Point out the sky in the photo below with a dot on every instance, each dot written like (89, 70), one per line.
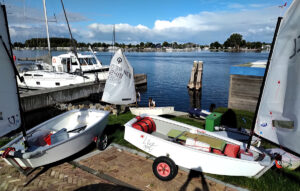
(181, 21)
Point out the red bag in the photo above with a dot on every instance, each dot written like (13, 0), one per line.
(217, 151)
(232, 150)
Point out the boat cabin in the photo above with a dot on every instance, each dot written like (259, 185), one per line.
(69, 63)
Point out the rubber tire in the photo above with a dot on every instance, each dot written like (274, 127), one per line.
(102, 142)
(173, 168)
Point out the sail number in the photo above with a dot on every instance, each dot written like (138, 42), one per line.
(295, 50)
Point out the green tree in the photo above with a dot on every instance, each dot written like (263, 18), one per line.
(165, 44)
(215, 45)
(235, 40)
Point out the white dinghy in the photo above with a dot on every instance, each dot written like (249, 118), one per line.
(152, 110)
(50, 141)
(176, 143)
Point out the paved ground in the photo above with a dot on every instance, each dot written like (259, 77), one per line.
(113, 169)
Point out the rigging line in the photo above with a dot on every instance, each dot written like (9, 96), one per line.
(72, 39)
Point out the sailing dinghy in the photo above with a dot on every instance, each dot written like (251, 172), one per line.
(51, 141)
(277, 120)
(119, 87)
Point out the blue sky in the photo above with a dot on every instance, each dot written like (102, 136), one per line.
(198, 21)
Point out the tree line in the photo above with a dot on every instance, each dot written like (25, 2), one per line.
(236, 42)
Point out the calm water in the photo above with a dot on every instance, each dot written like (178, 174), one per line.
(168, 75)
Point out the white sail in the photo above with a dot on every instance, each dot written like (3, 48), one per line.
(9, 102)
(119, 88)
(278, 118)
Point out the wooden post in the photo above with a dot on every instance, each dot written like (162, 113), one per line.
(199, 75)
(191, 84)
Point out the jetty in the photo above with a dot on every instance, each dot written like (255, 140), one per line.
(37, 99)
(245, 84)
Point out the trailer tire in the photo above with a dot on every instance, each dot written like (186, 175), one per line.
(164, 168)
(102, 142)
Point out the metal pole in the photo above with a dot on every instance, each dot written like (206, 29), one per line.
(263, 84)
(46, 20)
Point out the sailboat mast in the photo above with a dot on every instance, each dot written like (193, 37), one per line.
(114, 37)
(46, 20)
(264, 81)
(72, 40)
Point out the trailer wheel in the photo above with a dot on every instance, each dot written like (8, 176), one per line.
(164, 168)
(102, 142)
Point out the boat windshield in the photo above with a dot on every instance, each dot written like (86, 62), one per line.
(93, 61)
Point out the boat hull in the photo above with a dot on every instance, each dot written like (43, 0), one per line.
(151, 111)
(64, 149)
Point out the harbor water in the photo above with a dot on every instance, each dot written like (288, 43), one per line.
(168, 75)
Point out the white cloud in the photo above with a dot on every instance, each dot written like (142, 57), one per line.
(204, 27)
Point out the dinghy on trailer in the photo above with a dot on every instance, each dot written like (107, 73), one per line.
(51, 141)
(175, 143)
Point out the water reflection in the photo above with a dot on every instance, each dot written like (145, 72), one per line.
(195, 98)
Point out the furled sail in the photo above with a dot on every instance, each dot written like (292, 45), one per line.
(119, 88)
(9, 102)
(278, 118)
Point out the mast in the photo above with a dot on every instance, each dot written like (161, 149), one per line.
(48, 38)
(114, 37)
(264, 81)
(72, 39)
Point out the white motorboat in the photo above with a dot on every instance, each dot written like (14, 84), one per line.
(89, 64)
(180, 144)
(152, 110)
(43, 76)
(43, 79)
(50, 141)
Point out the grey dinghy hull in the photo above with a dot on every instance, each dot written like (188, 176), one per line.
(95, 123)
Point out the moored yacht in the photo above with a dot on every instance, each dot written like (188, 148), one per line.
(90, 66)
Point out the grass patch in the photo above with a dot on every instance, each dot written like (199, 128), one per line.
(4, 141)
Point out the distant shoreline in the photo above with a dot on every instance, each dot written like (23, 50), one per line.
(102, 49)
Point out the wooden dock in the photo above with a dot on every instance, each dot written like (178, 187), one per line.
(244, 90)
(32, 100)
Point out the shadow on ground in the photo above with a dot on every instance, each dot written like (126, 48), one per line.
(102, 186)
(195, 174)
